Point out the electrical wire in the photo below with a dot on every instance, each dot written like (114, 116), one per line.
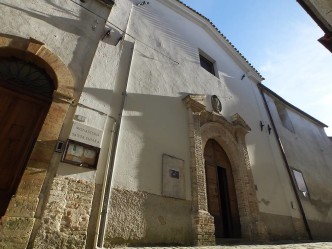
(123, 31)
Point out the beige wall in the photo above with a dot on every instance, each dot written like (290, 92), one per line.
(308, 150)
(163, 71)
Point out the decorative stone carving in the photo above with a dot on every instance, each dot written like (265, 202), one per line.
(195, 102)
(216, 104)
(206, 125)
(238, 120)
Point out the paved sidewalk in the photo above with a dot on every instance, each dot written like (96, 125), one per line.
(314, 245)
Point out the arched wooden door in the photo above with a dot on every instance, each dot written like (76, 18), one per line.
(222, 201)
(25, 97)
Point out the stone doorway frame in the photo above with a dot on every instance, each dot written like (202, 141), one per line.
(17, 223)
(205, 125)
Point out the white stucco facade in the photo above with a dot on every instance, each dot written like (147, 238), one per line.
(132, 65)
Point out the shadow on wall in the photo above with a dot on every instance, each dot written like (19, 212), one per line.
(78, 24)
(151, 125)
(103, 96)
(159, 123)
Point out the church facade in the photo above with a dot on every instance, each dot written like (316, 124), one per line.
(139, 123)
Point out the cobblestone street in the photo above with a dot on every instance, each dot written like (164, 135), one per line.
(315, 245)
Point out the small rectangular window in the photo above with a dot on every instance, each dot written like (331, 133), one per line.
(300, 182)
(206, 64)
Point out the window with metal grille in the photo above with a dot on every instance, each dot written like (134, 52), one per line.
(26, 76)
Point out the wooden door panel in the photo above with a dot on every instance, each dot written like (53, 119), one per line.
(15, 135)
(222, 200)
(5, 100)
(21, 117)
(212, 191)
(9, 155)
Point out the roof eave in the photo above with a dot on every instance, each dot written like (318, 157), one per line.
(204, 22)
(272, 93)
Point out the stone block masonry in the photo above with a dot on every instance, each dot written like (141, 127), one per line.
(65, 219)
(141, 218)
(17, 224)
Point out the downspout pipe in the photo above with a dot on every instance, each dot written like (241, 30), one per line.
(288, 169)
(109, 174)
(122, 82)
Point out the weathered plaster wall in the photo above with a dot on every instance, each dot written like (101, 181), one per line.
(156, 64)
(101, 96)
(282, 227)
(74, 34)
(166, 68)
(309, 150)
(99, 103)
(139, 218)
(64, 27)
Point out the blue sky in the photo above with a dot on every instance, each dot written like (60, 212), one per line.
(280, 40)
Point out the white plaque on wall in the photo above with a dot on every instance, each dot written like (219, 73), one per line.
(173, 177)
(86, 134)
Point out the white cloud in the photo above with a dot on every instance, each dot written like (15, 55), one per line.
(299, 69)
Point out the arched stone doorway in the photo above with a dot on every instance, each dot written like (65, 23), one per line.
(19, 218)
(25, 97)
(205, 126)
(221, 194)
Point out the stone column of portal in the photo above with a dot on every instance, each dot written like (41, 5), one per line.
(203, 222)
(253, 228)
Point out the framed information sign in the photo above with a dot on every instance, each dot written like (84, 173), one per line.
(173, 177)
(80, 154)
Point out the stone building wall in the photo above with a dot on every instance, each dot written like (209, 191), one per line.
(140, 218)
(65, 219)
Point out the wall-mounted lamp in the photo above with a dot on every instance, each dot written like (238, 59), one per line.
(243, 76)
(262, 125)
(269, 128)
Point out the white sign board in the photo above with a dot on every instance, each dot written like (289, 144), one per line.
(86, 134)
(173, 177)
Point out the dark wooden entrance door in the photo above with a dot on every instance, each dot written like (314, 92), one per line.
(21, 118)
(222, 201)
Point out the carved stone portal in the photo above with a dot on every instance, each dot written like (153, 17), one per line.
(205, 125)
